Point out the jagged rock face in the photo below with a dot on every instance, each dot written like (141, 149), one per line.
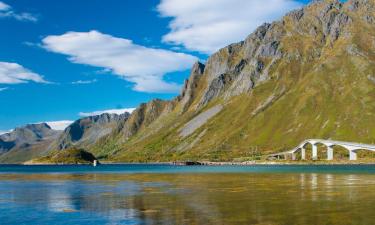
(23, 139)
(190, 87)
(144, 115)
(86, 131)
(240, 67)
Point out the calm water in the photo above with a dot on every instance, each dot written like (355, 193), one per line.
(162, 194)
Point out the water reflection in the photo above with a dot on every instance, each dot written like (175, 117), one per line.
(306, 198)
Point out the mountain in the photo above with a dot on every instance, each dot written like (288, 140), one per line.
(309, 75)
(86, 131)
(26, 142)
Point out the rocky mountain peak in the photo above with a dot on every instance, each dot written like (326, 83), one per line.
(29, 132)
(26, 136)
(241, 66)
(189, 90)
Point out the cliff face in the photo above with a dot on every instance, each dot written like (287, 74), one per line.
(189, 90)
(27, 142)
(309, 75)
(302, 36)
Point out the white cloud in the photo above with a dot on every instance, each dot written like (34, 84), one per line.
(6, 11)
(110, 111)
(4, 131)
(137, 64)
(59, 125)
(85, 81)
(13, 73)
(4, 7)
(208, 25)
(3, 89)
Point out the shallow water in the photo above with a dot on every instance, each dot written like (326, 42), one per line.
(163, 194)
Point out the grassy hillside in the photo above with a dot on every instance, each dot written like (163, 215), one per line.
(318, 83)
(67, 156)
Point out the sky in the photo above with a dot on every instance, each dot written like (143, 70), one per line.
(62, 60)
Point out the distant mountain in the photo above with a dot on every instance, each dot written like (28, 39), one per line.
(26, 142)
(88, 130)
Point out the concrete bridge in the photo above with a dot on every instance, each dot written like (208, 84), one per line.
(350, 146)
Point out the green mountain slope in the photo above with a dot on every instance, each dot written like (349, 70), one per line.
(309, 75)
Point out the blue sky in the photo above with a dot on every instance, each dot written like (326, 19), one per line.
(60, 60)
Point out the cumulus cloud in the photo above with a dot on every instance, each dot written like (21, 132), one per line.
(110, 111)
(85, 81)
(208, 25)
(145, 67)
(59, 125)
(6, 11)
(13, 73)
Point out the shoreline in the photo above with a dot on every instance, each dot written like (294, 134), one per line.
(208, 163)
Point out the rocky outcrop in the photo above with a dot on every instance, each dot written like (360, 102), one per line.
(239, 67)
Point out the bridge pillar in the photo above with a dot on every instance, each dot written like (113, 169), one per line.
(329, 153)
(352, 155)
(314, 152)
(303, 154)
(294, 156)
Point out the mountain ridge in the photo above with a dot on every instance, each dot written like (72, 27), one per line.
(308, 75)
(24, 143)
(258, 78)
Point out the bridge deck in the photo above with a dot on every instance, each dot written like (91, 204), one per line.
(352, 147)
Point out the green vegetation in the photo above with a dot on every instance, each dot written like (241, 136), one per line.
(68, 156)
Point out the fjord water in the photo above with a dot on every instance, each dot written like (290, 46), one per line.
(165, 194)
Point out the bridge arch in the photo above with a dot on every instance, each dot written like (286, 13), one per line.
(352, 148)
